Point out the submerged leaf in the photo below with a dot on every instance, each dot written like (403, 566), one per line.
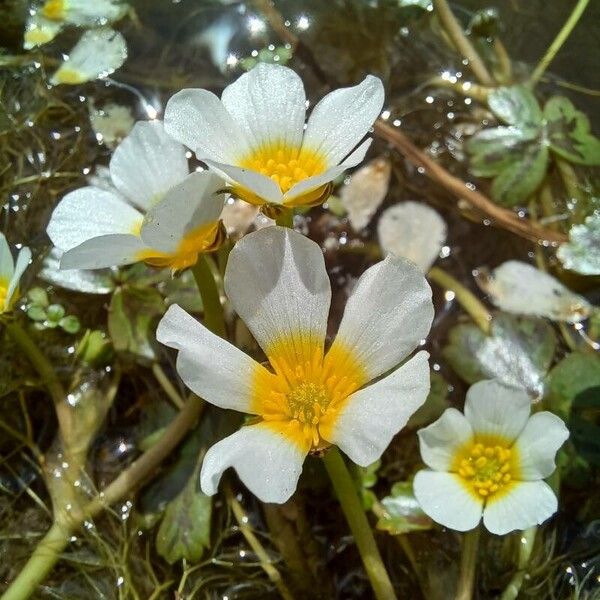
(569, 132)
(520, 288)
(582, 252)
(403, 513)
(518, 351)
(515, 105)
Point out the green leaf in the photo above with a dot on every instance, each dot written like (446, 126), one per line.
(435, 404)
(36, 312)
(520, 179)
(132, 317)
(184, 532)
(569, 132)
(582, 252)
(55, 312)
(402, 511)
(366, 478)
(38, 296)
(70, 324)
(518, 351)
(572, 376)
(516, 105)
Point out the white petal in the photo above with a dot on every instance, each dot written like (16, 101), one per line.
(39, 30)
(494, 408)
(538, 444)
(265, 459)
(445, 499)
(269, 105)
(97, 54)
(190, 204)
(277, 282)
(104, 251)
(529, 503)
(210, 366)
(22, 263)
(440, 440)
(414, 231)
(364, 193)
(198, 119)
(147, 163)
(84, 13)
(372, 416)
(87, 213)
(7, 266)
(307, 185)
(264, 187)
(386, 316)
(342, 118)
(520, 288)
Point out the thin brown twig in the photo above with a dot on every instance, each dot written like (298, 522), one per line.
(501, 217)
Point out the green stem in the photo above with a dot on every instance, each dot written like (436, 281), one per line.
(527, 540)
(211, 300)
(468, 564)
(461, 42)
(286, 218)
(359, 525)
(47, 552)
(560, 39)
(466, 298)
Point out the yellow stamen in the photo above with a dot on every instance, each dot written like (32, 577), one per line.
(487, 466)
(69, 76)
(54, 10)
(306, 387)
(4, 283)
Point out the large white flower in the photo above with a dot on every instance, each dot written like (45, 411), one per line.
(491, 461)
(10, 273)
(157, 212)
(309, 398)
(255, 135)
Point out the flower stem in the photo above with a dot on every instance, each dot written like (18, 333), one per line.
(211, 300)
(468, 564)
(511, 591)
(466, 298)
(355, 515)
(47, 552)
(559, 40)
(461, 42)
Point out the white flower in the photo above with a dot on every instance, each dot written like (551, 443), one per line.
(10, 274)
(45, 23)
(97, 54)
(309, 398)
(157, 213)
(412, 230)
(490, 461)
(255, 135)
(520, 288)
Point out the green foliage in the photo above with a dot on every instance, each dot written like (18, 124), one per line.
(280, 55)
(518, 351)
(95, 348)
(517, 156)
(49, 316)
(366, 479)
(403, 513)
(582, 252)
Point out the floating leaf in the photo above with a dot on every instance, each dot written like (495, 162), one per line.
(403, 513)
(568, 131)
(518, 351)
(520, 288)
(582, 252)
(515, 105)
(132, 318)
(184, 532)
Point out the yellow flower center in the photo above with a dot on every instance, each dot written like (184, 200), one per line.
(306, 388)
(205, 238)
(3, 293)
(487, 466)
(69, 76)
(285, 165)
(54, 10)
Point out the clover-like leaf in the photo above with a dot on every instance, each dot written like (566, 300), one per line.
(403, 513)
(582, 252)
(569, 134)
(518, 351)
(516, 105)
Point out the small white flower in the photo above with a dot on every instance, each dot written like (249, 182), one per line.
(111, 123)
(10, 274)
(255, 134)
(412, 230)
(520, 288)
(96, 55)
(309, 398)
(45, 23)
(491, 461)
(157, 212)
